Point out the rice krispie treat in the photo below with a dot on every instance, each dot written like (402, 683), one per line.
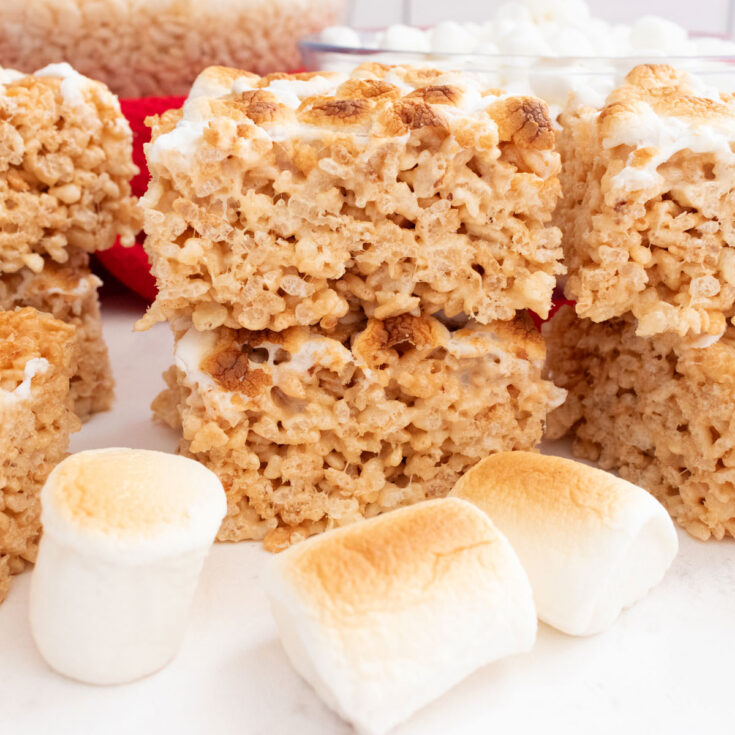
(287, 200)
(657, 410)
(141, 48)
(647, 211)
(36, 364)
(65, 168)
(308, 430)
(69, 293)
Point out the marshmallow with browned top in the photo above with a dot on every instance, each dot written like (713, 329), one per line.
(383, 616)
(126, 532)
(591, 543)
(647, 205)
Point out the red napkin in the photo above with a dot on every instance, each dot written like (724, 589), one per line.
(130, 265)
(557, 301)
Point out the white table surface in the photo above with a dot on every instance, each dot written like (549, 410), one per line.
(665, 667)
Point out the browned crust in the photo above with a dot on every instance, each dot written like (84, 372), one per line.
(525, 121)
(440, 94)
(667, 91)
(328, 111)
(230, 367)
(368, 89)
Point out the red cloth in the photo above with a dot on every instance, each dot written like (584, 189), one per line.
(130, 265)
(557, 302)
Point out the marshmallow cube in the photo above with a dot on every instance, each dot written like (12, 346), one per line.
(125, 535)
(383, 616)
(591, 543)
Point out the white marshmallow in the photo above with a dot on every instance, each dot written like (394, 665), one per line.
(383, 616)
(592, 544)
(548, 28)
(73, 83)
(513, 11)
(561, 11)
(341, 36)
(22, 392)
(487, 48)
(451, 38)
(651, 32)
(404, 38)
(572, 42)
(125, 536)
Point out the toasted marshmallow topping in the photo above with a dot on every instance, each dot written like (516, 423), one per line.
(132, 502)
(660, 111)
(503, 341)
(382, 616)
(591, 543)
(304, 108)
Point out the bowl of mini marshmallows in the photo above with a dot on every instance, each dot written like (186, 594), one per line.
(554, 49)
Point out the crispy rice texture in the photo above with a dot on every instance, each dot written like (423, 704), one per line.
(69, 293)
(35, 430)
(395, 189)
(663, 249)
(654, 409)
(140, 49)
(309, 430)
(65, 173)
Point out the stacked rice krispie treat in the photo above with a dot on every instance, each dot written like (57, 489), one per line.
(345, 261)
(647, 220)
(65, 170)
(37, 362)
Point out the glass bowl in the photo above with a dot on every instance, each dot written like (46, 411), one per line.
(553, 78)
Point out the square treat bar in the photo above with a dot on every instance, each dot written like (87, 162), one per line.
(647, 211)
(69, 293)
(37, 360)
(658, 410)
(287, 200)
(65, 168)
(309, 431)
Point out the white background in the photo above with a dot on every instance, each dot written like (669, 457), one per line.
(709, 16)
(664, 667)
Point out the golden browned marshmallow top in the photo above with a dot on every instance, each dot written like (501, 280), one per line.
(374, 101)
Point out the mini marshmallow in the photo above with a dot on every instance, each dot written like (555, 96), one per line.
(572, 42)
(451, 38)
(549, 29)
(404, 38)
(560, 11)
(591, 543)
(383, 616)
(341, 36)
(514, 11)
(125, 535)
(652, 32)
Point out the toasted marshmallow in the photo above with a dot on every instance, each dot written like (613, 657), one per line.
(126, 532)
(383, 616)
(592, 544)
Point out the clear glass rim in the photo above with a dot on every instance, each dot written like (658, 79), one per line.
(312, 44)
